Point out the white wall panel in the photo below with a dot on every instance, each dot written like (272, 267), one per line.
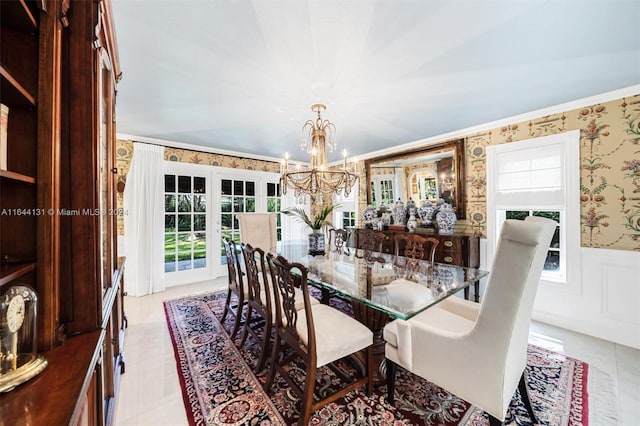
(605, 304)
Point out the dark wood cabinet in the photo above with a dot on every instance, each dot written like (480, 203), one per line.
(456, 249)
(58, 74)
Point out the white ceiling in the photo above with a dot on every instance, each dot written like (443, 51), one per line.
(241, 75)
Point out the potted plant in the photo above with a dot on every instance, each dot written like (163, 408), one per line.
(317, 225)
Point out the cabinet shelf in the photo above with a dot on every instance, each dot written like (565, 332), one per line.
(6, 174)
(13, 93)
(18, 16)
(13, 271)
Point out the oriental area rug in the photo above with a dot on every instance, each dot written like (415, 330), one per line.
(219, 386)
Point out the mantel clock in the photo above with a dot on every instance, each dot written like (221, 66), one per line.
(19, 360)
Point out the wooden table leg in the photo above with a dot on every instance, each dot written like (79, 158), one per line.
(375, 320)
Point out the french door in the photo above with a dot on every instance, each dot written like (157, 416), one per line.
(187, 213)
(201, 206)
(241, 191)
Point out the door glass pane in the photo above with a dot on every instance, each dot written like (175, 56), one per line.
(251, 189)
(184, 184)
(225, 204)
(169, 183)
(226, 222)
(238, 204)
(185, 241)
(238, 187)
(226, 186)
(199, 203)
(170, 252)
(198, 185)
(170, 203)
(169, 223)
(271, 190)
(184, 203)
(199, 222)
(251, 205)
(184, 222)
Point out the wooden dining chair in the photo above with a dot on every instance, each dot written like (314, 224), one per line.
(317, 334)
(369, 242)
(260, 310)
(339, 240)
(410, 249)
(236, 287)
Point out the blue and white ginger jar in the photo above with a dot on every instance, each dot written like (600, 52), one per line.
(446, 219)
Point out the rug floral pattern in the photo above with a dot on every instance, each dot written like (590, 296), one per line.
(220, 388)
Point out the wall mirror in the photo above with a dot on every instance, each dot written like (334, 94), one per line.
(429, 173)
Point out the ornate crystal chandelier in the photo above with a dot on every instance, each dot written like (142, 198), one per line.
(318, 180)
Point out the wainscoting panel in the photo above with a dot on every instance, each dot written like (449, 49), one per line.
(605, 304)
(620, 294)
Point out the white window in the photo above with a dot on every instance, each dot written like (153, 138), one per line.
(346, 212)
(538, 177)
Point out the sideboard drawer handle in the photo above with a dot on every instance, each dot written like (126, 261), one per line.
(448, 243)
(448, 259)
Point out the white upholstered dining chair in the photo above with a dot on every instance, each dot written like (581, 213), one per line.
(258, 229)
(437, 343)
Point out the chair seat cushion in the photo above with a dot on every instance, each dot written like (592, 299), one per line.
(337, 334)
(446, 322)
(404, 295)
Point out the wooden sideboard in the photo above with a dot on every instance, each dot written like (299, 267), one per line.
(461, 249)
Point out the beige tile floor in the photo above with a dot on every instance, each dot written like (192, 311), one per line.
(150, 392)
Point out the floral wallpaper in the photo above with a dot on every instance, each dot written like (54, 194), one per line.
(124, 152)
(609, 169)
(609, 163)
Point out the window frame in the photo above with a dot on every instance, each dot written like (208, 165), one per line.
(566, 201)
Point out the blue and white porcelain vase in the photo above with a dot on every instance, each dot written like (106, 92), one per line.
(399, 213)
(386, 220)
(316, 242)
(368, 216)
(425, 212)
(446, 219)
(412, 223)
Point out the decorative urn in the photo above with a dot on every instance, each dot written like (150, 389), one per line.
(399, 213)
(412, 223)
(368, 216)
(426, 212)
(446, 219)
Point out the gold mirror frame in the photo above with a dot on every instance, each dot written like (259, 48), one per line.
(457, 148)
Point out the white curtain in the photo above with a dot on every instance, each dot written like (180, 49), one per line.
(143, 227)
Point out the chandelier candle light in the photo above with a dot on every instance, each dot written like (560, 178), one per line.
(318, 180)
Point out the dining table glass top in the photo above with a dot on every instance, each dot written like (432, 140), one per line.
(379, 280)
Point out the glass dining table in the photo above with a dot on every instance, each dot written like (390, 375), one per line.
(379, 286)
(380, 281)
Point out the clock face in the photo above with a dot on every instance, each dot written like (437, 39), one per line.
(15, 313)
